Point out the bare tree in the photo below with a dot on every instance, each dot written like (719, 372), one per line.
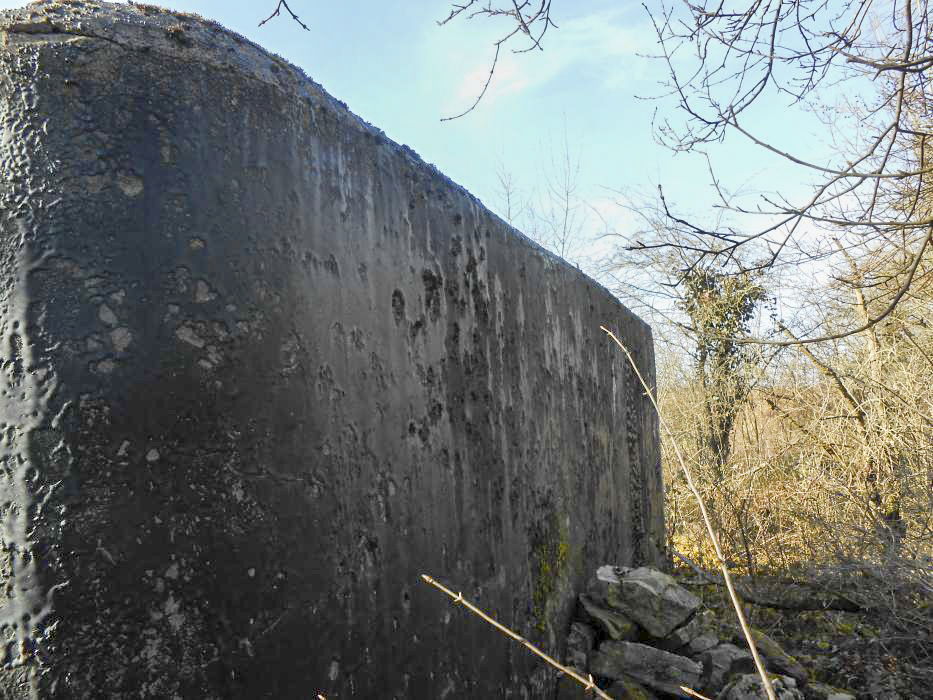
(513, 207)
(807, 52)
(701, 310)
(554, 215)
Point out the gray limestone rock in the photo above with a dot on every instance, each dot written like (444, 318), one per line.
(623, 689)
(580, 644)
(721, 663)
(571, 689)
(654, 600)
(629, 689)
(610, 572)
(694, 637)
(604, 587)
(680, 637)
(777, 660)
(705, 641)
(615, 625)
(655, 668)
(822, 691)
(748, 687)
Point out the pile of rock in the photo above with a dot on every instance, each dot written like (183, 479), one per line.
(643, 636)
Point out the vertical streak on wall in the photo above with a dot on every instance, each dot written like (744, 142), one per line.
(29, 416)
(262, 367)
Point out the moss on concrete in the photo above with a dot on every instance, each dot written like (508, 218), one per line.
(551, 555)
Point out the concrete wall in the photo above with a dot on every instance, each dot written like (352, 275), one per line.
(261, 368)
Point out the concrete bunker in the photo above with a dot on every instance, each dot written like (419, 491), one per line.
(261, 368)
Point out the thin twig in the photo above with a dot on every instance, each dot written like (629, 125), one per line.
(693, 693)
(492, 70)
(278, 8)
(736, 603)
(587, 682)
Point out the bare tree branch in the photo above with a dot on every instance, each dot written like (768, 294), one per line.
(878, 192)
(278, 9)
(532, 19)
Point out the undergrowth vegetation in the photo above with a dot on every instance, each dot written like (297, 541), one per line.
(824, 499)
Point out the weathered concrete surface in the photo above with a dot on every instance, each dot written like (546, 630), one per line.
(261, 368)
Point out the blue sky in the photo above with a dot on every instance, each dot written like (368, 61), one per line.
(395, 67)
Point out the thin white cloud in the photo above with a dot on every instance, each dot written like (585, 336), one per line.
(602, 46)
(510, 78)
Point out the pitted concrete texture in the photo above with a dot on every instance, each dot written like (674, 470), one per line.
(261, 368)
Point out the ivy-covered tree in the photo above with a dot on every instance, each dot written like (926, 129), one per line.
(720, 308)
